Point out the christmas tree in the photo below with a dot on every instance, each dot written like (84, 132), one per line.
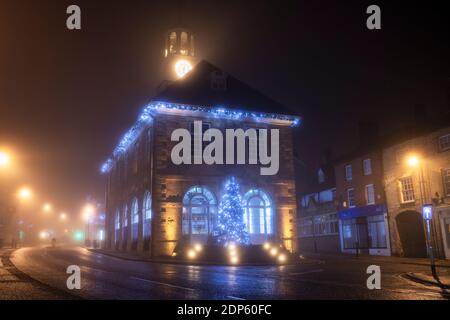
(231, 227)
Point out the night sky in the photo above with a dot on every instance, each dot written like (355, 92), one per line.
(66, 97)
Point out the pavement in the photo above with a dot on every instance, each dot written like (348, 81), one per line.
(107, 277)
(16, 285)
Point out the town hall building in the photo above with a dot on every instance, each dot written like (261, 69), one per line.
(154, 204)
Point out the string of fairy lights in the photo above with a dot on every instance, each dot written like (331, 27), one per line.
(148, 112)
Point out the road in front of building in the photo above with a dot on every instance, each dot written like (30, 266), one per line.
(106, 277)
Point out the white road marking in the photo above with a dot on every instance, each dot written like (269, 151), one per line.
(234, 298)
(306, 272)
(162, 283)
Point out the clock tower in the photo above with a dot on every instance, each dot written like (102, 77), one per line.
(179, 52)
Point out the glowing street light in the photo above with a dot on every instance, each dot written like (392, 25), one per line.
(63, 216)
(24, 193)
(4, 159)
(47, 207)
(412, 161)
(182, 67)
(191, 254)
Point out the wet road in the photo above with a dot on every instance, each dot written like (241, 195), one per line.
(106, 277)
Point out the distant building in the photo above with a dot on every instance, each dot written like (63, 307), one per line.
(417, 172)
(318, 224)
(152, 204)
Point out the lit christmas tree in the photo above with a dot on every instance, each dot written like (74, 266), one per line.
(231, 227)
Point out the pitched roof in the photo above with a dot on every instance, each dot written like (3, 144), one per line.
(195, 89)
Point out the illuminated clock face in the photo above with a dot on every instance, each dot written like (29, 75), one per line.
(182, 67)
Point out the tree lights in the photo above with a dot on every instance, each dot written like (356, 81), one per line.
(231, 229)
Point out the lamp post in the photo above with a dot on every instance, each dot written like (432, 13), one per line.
(427, 212)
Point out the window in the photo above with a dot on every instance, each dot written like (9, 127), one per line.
(124, 216)
(305, 227)
(192, 45)
(134, 219)
(258, 214)
(199, 212)
(117, 226)
(351, 197)
(326, 224)
(407, 189)
(173, 42)
(355, 233)
(184, 45)
(348, 172)
(147, 226)
(321, 176)
(218, 81)
(377, 231)
(370, 194)
(444, 143)
(367, 167)
(446, 180)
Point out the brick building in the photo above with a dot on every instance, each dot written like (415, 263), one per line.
(417, 172)
(363, 218)
(153, 204)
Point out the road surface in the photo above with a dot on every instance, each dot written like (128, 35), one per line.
(106, 277)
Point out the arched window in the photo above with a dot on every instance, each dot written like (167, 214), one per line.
(147, 225)
(199, 212)
(125, 216)
(117, 226)
(184, 44)
(173, 42)
(258, 215)
(134, 219)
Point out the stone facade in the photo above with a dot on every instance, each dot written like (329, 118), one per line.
(409, 185)
(147, 167)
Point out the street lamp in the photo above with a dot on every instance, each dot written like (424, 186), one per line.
(4, 159)
(63, 216)
(24, 193)
(47, 207)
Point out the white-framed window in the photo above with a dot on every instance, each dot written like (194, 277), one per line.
(407, 190)
(446, 181)
(370, 194)
(351, 197)
(117, 220)
(258, 216)
(348, 172)
(125, 216)
(367, 167)
(444, 142)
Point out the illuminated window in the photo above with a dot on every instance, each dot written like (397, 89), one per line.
(367, 167)
(147, 215)
(125, 216)
(348, 172)
(370, 194)
(184, 44)
(407, 190)
(134, 219)
(351, 197)
(173, 42)
(117, 226)
(199, 211)
(321, 176)
(258, 216)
